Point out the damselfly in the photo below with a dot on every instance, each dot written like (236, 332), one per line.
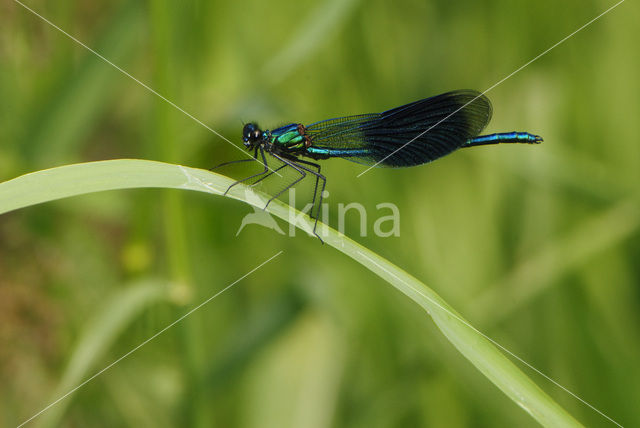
(409, 135)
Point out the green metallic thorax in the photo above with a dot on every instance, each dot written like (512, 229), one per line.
(289, 138)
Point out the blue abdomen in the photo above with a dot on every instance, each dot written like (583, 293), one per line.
(504, 137)
(338, 152)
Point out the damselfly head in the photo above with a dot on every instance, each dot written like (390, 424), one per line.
(251, 135)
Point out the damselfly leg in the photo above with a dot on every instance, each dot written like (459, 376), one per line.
(265, 171)
(296, 164)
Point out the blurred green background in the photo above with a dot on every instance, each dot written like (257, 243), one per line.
(537, 247)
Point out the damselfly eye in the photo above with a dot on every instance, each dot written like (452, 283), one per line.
(251, 133)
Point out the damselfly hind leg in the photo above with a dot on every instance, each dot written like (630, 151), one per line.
(319, 177)
(293, 165)
(296, 164)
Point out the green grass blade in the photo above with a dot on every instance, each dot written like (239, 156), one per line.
(67, 113)
(101, 331)
(540, 271)
(56, 183)
(312, 32)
